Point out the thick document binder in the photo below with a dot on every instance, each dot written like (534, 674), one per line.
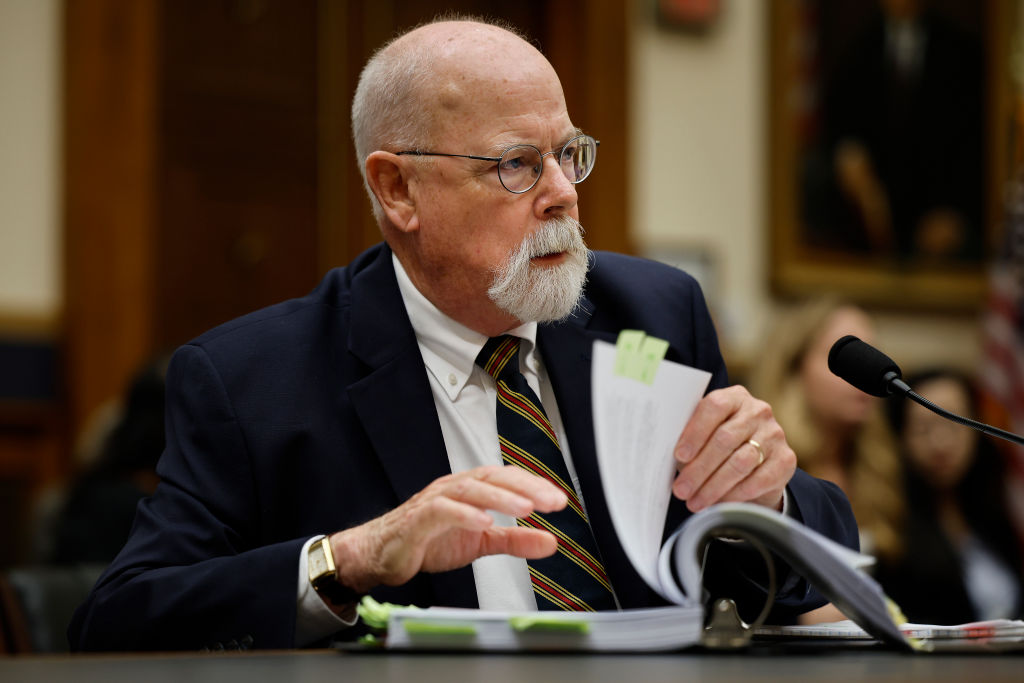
(834, 569)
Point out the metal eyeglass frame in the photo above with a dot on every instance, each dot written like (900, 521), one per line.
(560, 150)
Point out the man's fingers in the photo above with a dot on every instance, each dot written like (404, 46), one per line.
(440, 514)
(762, 483)
(508, 486)
(519, 542)
(730, 418)
(462, 501)
(447, 525)
(740, 465)
(718, 460)
(715, 455)
(711, 412)
(546, 496)
(745, 477)
(767, 481)
(484, 495)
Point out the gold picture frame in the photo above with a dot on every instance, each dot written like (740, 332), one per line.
(802, 263)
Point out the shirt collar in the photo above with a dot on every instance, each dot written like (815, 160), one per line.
(449, 348)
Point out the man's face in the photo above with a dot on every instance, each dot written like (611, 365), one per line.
(469, 224)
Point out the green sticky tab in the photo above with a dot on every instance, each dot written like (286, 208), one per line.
(626, 349)
(541, 623)
(652, 351)
(637, 356)
(376, 614)
(433, 628)
(370, 640)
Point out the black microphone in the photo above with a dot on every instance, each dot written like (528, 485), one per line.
(865, 367)
(873, 372)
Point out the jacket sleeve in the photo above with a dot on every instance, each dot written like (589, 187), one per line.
(194, 572)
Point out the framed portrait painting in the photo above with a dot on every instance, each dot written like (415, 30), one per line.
(888, 148)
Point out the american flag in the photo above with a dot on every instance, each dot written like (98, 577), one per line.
(1002, 371)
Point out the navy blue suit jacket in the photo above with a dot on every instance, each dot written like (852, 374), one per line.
(315, 415)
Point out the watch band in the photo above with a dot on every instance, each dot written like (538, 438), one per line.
(323, 575)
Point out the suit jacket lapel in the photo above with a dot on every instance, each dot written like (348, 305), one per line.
(395, 404)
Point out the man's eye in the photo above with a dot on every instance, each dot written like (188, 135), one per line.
(515, 163)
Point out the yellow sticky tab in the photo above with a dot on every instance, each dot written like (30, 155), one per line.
(627, 346)
(896, 614)
(523, 624)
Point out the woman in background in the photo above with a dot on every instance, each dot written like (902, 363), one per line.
(961, 560)
(838, 432)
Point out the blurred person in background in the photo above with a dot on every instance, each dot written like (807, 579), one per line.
(838, 432)
(97, 511)
(961, 560)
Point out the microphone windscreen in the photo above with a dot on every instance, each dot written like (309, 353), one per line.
(862, 365)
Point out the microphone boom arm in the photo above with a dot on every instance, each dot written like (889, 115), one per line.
(894, 382)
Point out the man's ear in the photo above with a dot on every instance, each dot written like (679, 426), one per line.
(388, 178)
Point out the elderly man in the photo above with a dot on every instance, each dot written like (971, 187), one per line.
(360, 426)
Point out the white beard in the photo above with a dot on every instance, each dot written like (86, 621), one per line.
(543, 294)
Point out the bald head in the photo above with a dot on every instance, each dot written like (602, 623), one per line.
(423, 86)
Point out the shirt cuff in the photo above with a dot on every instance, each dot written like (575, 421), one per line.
(314, 620)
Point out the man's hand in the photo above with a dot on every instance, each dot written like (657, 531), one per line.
(717, 463)
(446, 526)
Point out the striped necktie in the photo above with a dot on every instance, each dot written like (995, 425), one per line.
(573, 578)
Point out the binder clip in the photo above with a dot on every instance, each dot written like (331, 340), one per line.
(725, 629)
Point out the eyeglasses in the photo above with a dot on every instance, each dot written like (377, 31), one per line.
(520, 166)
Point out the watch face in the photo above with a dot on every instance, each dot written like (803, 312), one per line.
(318, 566)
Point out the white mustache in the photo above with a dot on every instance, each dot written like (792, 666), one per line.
(555, 236)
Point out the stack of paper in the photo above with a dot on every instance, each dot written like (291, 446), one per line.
(654, 629)
(994, 635)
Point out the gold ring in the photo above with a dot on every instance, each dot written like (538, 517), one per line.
(760, 451)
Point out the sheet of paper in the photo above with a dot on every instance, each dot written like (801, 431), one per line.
(636, 426)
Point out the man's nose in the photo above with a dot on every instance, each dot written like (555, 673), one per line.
(555, 194)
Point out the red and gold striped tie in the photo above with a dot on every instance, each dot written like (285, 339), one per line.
(573, 578)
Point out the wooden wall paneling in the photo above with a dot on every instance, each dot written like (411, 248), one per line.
(333, 181)
(349, 32)
(209, 163)
(190, 175)
(110, 158)
(588, 44)
(238, 136)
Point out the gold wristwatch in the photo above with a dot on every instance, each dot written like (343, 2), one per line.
(323, 575)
